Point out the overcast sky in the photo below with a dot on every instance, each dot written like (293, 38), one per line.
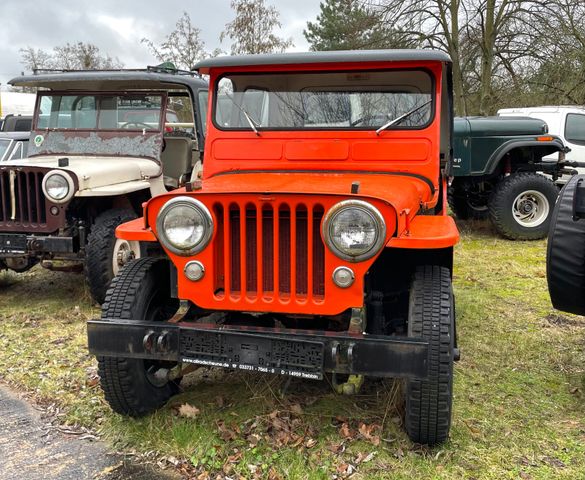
(116, 26)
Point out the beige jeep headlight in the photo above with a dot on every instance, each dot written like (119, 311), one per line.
(184, 226)
(58, 186)
(354, 230)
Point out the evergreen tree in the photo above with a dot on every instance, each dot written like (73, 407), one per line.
(350, 25)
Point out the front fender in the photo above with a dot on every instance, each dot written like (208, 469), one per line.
(548, 147)
(135, 230)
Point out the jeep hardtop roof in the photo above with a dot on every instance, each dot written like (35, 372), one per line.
(15, 135)
(541, 108)
(112, 80)
(342, 56)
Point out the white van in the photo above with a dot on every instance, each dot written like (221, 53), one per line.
(567, 122)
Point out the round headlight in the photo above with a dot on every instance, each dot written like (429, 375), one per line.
(184, 225)
(354, 230)
(58, 186)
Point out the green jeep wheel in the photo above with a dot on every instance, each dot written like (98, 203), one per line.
(521, 206)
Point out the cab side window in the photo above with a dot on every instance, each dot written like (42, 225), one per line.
(575, 128)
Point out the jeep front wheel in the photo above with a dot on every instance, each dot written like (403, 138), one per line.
(431, 317)
(105, 254)
(141, 291)
(521, 206)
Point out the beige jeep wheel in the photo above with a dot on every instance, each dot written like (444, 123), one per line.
(104, 253)
(124, 251)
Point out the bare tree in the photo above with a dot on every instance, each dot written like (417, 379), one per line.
(488, 41)
(82, 56)
(183, 46)
(558, 72)
(35, 58)
(431, 23)
(71, 56)
(252, 31)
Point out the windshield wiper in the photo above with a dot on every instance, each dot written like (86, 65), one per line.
(253, 125)
(401, 117)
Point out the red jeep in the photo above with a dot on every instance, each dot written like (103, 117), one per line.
(316, 241)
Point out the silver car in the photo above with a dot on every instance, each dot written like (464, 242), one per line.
(13, 145)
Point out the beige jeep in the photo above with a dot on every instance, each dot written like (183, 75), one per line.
(102, 143)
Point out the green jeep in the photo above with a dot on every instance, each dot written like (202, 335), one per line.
(498, 171)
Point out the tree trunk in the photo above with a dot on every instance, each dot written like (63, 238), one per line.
(458, 94)
(487, 61)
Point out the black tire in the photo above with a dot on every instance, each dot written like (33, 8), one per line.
(462, 204)
(502, 199)
(138, 292)
(99, 251)
(565, 255)
(431, 317)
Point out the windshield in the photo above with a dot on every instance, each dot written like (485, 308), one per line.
(337, 100)
(100, 112)
(4, 144)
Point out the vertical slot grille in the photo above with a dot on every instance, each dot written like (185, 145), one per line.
(269, 251)
(22, 196)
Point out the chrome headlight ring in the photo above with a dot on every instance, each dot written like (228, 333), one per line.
(70, 184)
(198, 208)
(363, 208)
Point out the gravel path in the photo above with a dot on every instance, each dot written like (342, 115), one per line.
(30, 449)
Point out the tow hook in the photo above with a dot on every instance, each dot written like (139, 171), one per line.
(351, 387)
(156, 343)
(165, 375)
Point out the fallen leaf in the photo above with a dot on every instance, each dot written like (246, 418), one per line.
(92, 382)
(367, 432)
(310, 443)
(273, 474)
(253, 440)
(188, 411)
(344, 431)
(226, 433)
(296, 442)
(365, 457)
(235, 458)
(336, 448)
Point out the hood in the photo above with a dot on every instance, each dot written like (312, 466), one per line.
(94, 172)
(399, 189)
(498, 126)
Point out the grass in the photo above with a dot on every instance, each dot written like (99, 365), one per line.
(519, 408)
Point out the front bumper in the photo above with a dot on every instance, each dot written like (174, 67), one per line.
(19, 244)
(298, 353)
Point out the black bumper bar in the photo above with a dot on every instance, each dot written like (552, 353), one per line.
(22, 244)
(300, 353)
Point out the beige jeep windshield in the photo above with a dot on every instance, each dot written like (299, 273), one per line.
(100, 112)
(317, 100)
